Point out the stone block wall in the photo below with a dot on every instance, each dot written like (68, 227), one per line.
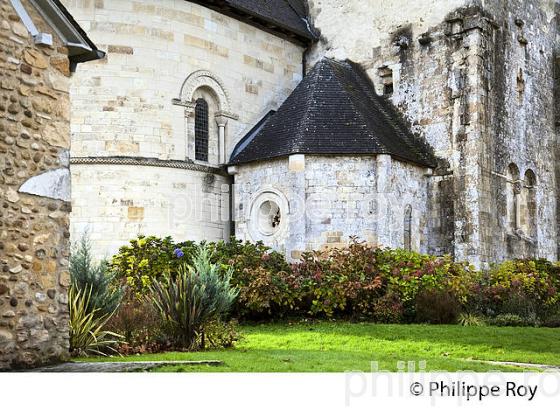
(129, 200)
(123, 106)
(327, 200)
(34, 194)
(476, 80)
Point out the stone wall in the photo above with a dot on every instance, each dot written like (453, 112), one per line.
(34, 192)
(129, 200)
(476, 80)
(327, 200)
(122, 107)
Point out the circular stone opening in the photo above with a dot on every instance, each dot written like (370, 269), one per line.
(269, 218)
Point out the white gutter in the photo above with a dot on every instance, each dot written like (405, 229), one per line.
(38, 38)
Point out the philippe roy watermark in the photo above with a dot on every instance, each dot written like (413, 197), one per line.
(214, 205)
(412, 381)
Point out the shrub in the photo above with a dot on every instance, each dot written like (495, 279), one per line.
(87, 334)
(507, 319)
(552, 321)
(437, 307)
(95, 279)
(263, 293)
(147, 259)
(470, 319)
(388, 309)
(220, 334)
(192, 297)
(138, 323)
(340, 280)
(409, 273)
(359, 281)
(525, 288)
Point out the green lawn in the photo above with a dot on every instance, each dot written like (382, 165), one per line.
(342, 346)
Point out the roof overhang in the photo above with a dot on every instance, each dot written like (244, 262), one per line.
(80, 47)
(250, 17)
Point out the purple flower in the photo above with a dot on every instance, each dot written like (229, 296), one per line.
(178, 253)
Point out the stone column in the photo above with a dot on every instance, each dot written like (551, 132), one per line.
(221, 120)
(189, 128)
(517, 203)
(384, 200)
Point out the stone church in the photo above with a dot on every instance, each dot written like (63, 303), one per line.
(426, 125)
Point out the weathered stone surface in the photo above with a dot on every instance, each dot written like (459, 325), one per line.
(324, 201)
(53, 184)
(147, 124)
(30, 109)
(459, 72)
(35, 58)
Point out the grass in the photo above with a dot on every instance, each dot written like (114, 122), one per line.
(342, 346)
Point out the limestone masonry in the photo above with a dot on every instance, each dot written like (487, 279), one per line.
(184, 86)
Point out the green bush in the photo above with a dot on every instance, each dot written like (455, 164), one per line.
(388, 309)
(508, 319)
(106, 294)
(359, 282)
(190, 298)
(437, 307)
(220, 334)
(525, 288)
(340, 281)
(470, 319)
(147, 259)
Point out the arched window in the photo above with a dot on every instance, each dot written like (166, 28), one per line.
(529, 204)
(408, 228)
(201, 130)
(513, 202)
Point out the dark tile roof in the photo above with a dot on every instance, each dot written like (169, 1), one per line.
(334, 110)
(285, 17)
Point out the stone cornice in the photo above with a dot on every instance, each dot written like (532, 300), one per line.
(147, 162)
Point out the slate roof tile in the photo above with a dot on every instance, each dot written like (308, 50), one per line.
(334, 110)
(290, 15)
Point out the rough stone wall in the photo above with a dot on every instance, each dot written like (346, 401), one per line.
(474, 79)
(122, 106)
(330, 199)
(34, 189)
(519, 124)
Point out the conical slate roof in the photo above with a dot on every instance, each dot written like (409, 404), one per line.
(334, 110)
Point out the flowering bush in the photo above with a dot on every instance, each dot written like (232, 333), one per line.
(343, 281)
(359, 281)
(149, 258)
(526, 288)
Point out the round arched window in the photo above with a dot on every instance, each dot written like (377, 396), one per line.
(269, 218)
(269, 213)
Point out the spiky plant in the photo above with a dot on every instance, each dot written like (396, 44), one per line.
(87, 334)
(106, 294)
(470, 319)
(192, 297)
